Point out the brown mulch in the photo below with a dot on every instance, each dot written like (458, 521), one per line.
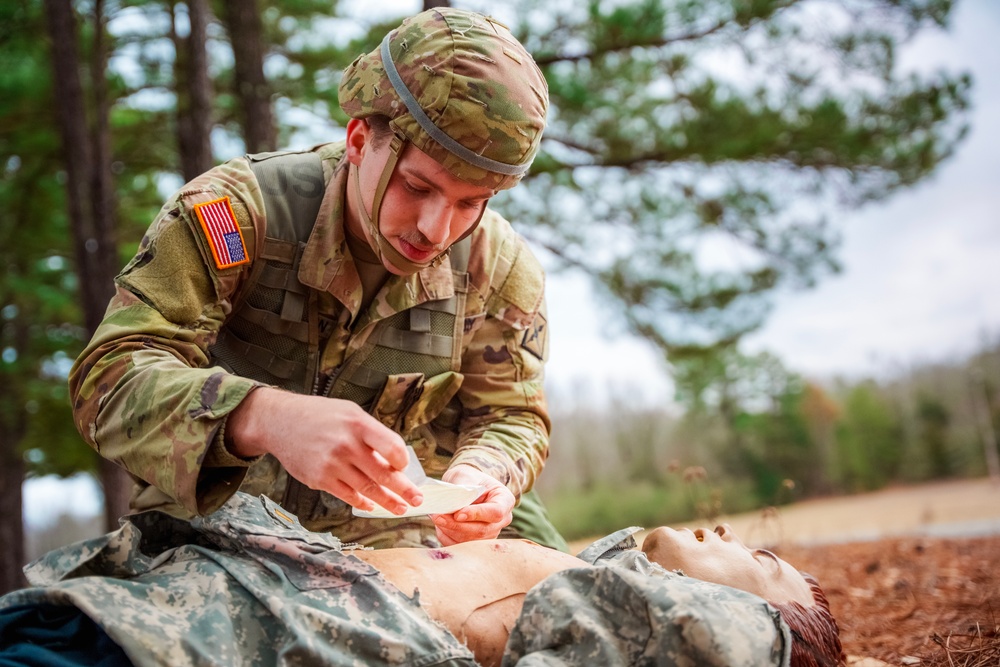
(912, 600)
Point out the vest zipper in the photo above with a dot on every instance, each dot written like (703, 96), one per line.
(328, 385)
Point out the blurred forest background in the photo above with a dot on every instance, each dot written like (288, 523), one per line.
(681, 131)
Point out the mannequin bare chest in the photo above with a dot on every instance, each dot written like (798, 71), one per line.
(475, 589)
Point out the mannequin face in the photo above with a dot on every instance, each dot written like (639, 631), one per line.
(721, 557)
(424, 210)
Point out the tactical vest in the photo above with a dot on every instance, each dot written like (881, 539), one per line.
(274, 333)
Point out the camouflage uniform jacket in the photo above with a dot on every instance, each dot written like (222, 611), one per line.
(147, 395)
(611, 615)
(630, 611)
(246, 586)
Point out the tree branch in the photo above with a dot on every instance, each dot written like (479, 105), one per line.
(544, 60)
(549, 59)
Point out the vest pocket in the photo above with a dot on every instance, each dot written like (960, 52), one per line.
(411, 400)
(398, 394)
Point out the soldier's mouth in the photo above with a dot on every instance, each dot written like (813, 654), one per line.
(415, 253)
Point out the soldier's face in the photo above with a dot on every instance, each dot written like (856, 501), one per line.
(424, 209)
(720, 557)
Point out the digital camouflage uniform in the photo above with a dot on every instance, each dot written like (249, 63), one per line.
(154, 387)
(628, 610)
(250, 586)
(245, 586)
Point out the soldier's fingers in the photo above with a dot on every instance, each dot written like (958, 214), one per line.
(445, 538)
(377, 469)
(482, 513)
(342, 491)
(366, 487)
(449, 534)
(463, 531)
(450, 523)
(386, 442)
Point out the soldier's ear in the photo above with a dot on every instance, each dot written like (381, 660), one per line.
(359, 139)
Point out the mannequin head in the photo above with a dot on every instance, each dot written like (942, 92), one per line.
(720, 557)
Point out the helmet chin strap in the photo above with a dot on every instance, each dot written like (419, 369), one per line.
(381, 246)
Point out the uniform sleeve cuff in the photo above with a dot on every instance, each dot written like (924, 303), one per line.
(219, 456)
(491, 462)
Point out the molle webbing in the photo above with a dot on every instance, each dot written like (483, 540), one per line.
(292, 186)
(424, 339)
(268, 337)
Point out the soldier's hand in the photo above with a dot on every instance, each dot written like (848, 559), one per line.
(327, 444)
(484, 518)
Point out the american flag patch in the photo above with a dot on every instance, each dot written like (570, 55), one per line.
(223, 232)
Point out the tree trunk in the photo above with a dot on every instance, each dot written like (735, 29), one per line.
(194, 93)
(90, 195)
(115, 481)
(984, 423)
(431, 4)
(71, 116)
(117, 487)
(12, 520)
(12, 429)
(246, 34)
(102, 182)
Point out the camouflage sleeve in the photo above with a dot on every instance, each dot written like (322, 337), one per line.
(143, 393)
(505, 424)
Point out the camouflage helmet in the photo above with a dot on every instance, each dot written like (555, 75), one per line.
(458, 86)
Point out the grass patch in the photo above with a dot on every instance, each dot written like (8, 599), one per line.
(603, 509)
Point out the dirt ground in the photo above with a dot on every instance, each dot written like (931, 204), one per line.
(912, 600)
(912, 573)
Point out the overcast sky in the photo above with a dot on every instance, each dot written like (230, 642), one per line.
(920, 271)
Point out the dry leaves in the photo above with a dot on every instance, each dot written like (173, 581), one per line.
(912, 601)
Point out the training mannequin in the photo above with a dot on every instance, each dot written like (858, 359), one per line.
(477, 589)
(250, 585)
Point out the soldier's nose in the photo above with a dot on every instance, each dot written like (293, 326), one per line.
(434, 226)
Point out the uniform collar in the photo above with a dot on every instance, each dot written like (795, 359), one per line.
(327, 264)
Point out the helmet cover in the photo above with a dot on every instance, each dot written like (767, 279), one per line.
(458, 86)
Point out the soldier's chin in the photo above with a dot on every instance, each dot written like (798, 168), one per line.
(409, 266)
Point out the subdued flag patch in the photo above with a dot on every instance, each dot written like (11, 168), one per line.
(223, 232)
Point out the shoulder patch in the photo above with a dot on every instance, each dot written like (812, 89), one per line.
(522, 285)
(534, 338)
(222, 232)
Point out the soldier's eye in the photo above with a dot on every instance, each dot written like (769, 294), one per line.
(414, 188)
(472, 205)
